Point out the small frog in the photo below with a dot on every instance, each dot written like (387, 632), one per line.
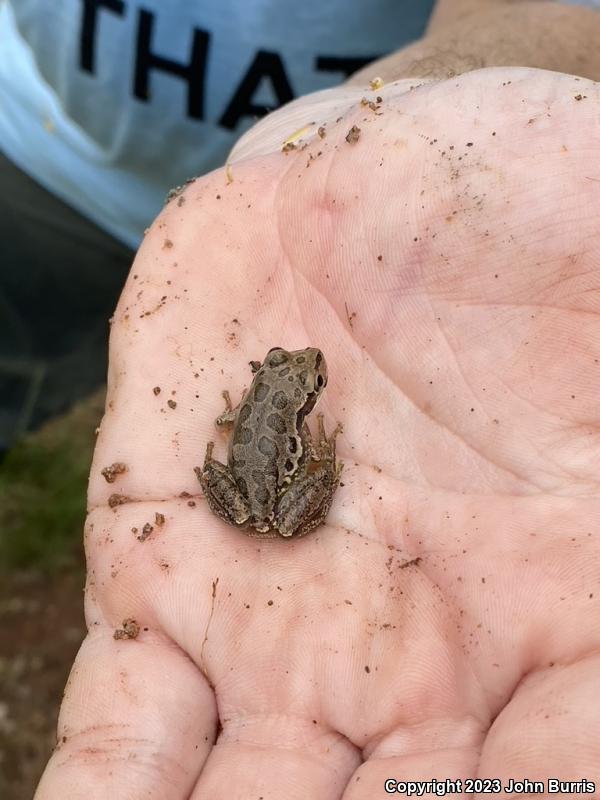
(277, 481)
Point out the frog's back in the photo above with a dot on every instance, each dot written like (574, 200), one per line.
(266, 447)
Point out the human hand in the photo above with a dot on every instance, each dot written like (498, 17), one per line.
(444, 621)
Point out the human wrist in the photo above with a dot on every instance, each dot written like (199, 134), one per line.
(534, 33)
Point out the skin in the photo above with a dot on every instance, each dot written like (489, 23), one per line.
(445, 621)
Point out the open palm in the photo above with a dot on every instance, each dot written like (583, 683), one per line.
(444, 622)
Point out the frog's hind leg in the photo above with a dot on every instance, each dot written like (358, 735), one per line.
(221, 491)
(306, 503)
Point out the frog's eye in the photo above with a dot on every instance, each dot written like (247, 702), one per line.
(320, 382)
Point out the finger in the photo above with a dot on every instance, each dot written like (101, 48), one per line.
(551, 727)
(277, 756)
(138, 720)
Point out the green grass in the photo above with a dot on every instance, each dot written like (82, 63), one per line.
(43, 484)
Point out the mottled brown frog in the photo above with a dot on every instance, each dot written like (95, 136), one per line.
(278, 480)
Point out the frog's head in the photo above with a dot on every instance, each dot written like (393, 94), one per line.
(306, 368)
(311, 369)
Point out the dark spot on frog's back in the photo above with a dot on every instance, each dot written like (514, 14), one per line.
(300, 359)
(283, 372)
(276, 423)
(244, 413)
(279, 401)
(261, 392)
(243, 435)
(267, 447)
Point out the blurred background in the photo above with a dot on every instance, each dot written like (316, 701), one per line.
(43, 481)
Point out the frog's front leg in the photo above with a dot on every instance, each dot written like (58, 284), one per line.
(307, 501)
(227, 418)
(221, 491)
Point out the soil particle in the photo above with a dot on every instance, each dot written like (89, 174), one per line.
(349, 316)
(146, 531)
(177, 190)
(118, 500)
(353, 135)
(130, 630)
(111, 473)
(414, 562)
(370, 104)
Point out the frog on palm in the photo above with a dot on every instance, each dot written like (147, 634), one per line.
(278, 480)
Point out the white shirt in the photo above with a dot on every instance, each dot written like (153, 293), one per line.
(111, 107)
